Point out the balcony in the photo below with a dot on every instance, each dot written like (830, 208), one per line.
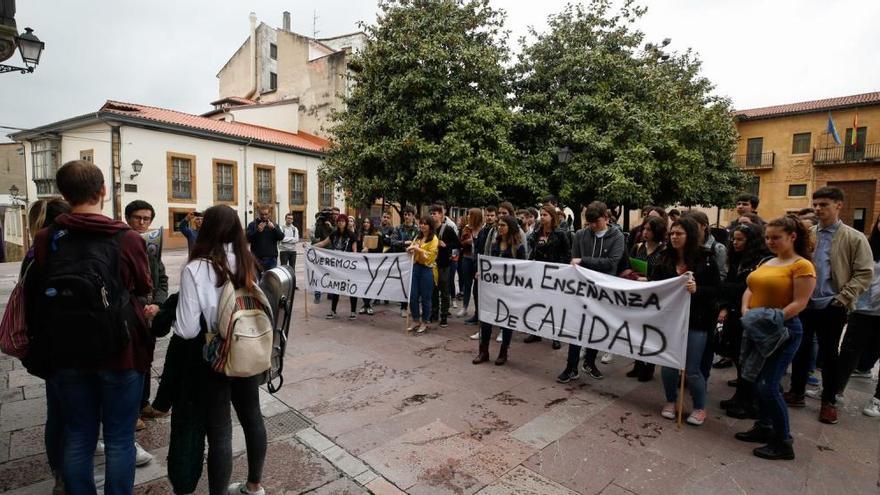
(846, 154)
(756, 161)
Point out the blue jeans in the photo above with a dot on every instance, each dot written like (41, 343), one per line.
(466, 279)
(421, 291)
(773, 410)
(696, 382)
(90, 398)
(53, 436)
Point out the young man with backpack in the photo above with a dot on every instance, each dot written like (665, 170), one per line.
(87, 318)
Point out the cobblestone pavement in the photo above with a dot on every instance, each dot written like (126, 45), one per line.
(367, 408)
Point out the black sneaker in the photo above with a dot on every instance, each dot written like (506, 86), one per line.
(593, 372)
(353, 316)
(557, 344)
(331, 315)
(443, 323)
(472, 320)
(775, 451)
(567, 376)
(531, 338)
(758, 434)
(722, 363)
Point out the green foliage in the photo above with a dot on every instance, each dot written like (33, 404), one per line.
(642, 124)
(428, 116)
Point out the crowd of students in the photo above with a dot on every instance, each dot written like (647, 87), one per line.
(773, 289)
(762, 293)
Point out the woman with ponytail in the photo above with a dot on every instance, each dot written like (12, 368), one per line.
(778, 289)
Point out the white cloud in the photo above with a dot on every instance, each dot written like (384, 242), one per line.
(167, 53)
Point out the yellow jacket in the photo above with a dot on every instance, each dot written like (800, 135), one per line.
(428, 255)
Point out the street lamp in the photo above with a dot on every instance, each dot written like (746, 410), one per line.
(136, 167)
(13, 193)
(30, 47)
(564, 155)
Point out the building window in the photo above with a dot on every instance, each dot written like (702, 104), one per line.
(225, 182)
(855, 152)
(754, 186)
(797, 190)
(326, 194)
(175, 216)
(754, 148)
(181, 177)
(87, 155)
(800, 143)
(273, 81)
(264, 185)
(297, 188)
(45, 154)
(859, 216)
(273, 51)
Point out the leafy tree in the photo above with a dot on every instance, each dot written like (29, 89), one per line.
(641, 122)
(428, 116)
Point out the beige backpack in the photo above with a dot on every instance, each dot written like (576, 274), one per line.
(240, 345)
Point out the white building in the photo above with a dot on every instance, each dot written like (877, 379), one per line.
(246, 156)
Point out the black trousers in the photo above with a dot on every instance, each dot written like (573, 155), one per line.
(486, 335)
(862, 336)
(244, 394)
(826, 324)
(288, 258)
(334, 302)
(574, 355)
(440, 296)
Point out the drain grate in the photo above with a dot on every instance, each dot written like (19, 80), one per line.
(286, 423)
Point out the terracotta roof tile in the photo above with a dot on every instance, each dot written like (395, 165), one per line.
(235, 99)
(300, 140)
(810, 106)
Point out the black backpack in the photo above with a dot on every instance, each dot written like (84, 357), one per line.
(86, 314)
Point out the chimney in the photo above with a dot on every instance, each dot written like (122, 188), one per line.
(253, 18)
(285, 21)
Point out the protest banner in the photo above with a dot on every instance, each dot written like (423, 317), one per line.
(647, 321)
(385, 276)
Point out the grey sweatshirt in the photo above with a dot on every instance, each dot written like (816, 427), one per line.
(601, 254)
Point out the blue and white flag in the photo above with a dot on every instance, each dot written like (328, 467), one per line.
(831, 130)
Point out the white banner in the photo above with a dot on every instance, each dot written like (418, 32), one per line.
(385, 276)
(642, 320)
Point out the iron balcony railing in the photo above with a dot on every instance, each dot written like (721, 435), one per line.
(846, 154)
(756, 161)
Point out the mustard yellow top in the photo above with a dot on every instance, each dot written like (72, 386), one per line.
(773, 286)
(430, 256)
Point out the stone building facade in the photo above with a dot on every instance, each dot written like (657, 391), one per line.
(790, 153)
(276, 64)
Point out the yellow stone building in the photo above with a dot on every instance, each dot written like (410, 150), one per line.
(790, 152)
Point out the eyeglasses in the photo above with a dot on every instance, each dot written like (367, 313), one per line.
(676, 234)
(140, 219)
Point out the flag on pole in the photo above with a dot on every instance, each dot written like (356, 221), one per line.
(855, 131)
(831, 130)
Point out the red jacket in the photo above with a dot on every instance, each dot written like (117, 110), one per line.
(135, 271)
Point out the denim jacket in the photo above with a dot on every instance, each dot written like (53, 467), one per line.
(763, 334)
(869, 302)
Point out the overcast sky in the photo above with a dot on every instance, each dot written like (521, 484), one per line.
(167, 53)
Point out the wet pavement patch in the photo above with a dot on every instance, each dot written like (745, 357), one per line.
(417, 399)
(507, 399)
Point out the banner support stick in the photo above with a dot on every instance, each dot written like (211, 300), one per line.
(680, 406)
(412, 259)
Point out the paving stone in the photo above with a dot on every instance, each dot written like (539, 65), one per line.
(290, 468)
(523, 481)
(23, 472)
(381, 486)
(342, 486)
(155, 436)
(22, 414)
(156, 469)
(344, 461)
(21, 378)
(4, 446)
(270, 406)
(7, 363)
(35, 391)
(552, 425)
(11, 395)
(27, 442)
(366, 477)
(314, 439)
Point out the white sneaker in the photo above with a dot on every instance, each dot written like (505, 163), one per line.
(498, 338)
(99, 448)
(607, 357)
(454, 304)
(241, 489)
(476, 336)
(815, 393)
(141, 456)
(403, 313)
(460, 313)
(872, 409)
